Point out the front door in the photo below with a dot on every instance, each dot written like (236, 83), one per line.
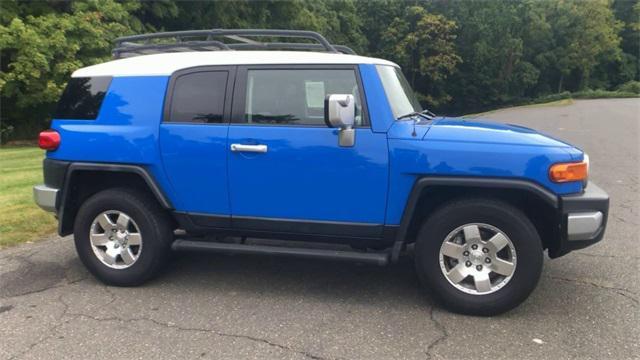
(287, 172)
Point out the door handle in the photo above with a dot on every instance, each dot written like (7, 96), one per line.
(249, 148)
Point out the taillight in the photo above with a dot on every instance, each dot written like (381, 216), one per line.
(565, 172)
(49, 140)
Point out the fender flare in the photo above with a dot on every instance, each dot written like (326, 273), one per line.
(74, 167)
(463, 181)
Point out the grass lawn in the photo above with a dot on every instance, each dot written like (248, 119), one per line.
(21, 219)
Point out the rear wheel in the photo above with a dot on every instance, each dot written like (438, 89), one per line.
(122, 236)
(479, 257)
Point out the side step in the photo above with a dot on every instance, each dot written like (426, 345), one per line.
(371, 258)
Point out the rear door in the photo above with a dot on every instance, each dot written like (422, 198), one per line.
(193, 140)
(287, 172)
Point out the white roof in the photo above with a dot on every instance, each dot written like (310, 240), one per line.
(167, 63)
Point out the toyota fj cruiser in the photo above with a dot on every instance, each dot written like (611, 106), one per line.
(189, 139)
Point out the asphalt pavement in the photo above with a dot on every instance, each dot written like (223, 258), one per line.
(249, 307)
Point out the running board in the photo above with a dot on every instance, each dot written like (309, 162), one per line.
(371, 258)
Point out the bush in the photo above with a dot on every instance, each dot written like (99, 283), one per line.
(5, 132)
(603, 94)
(630, 86)
(552, 97)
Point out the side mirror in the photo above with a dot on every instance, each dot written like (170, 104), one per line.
(340, 112)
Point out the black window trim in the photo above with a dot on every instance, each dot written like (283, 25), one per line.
(226, 110)
(239, 92)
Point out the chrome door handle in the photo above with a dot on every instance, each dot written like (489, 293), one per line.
(249, 148)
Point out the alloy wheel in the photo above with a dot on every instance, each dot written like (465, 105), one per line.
(115, 239)
(478, 258)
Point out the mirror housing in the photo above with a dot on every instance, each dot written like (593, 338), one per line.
(340, 112)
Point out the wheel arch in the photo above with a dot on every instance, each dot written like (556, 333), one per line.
(428, 193)
(82, 180)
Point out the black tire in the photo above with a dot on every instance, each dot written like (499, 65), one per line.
(510, 220)
(154, 226)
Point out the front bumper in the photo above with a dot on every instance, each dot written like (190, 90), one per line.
(46, 197)
(583, 219)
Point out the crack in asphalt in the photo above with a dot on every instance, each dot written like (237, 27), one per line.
(438, 340)
(51, 331)
(113, 296)
(170, 325)
(70, 316)
(34, 291)
(605, 256)
(620, 291)
(55, 286)
(26, 259)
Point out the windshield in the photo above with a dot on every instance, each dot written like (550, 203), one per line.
(399, 93)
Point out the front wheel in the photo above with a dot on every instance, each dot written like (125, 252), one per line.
(479, 256)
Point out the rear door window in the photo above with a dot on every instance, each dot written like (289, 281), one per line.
(82, 98)
(198, 97)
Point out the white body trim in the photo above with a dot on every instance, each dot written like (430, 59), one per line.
(167, 63)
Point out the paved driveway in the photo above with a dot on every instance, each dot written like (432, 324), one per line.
(236, 307)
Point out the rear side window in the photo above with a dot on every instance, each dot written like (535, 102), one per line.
(82, 98)
(198, 97)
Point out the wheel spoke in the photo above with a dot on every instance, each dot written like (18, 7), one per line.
(498, 242)
(105, 223)
(482, 281)
(502, 267)
(123, 221)
(134, 239)
(452, 250)
(471, 233)
(107, 258)
(99, 239)
(127, 256)
(458, 273)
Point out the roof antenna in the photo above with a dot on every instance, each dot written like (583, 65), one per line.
(413, 133)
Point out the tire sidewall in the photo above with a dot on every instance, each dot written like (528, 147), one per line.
(153, 250)
(509, 220)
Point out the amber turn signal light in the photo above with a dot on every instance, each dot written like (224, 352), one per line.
(565, 172)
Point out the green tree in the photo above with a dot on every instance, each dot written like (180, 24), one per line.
(423, 44)
(491, 41)
(628, 12)
(585, 33)
(376, 16)
(461, 56)
(39, 53)
(337, 20)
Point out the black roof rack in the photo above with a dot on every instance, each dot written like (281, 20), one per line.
(192, 40)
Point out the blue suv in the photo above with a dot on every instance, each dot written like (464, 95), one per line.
(215, 141)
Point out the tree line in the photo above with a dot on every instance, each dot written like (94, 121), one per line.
(459, 55)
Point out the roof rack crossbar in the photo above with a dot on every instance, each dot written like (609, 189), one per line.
(131, 44)
(243, 39)
(136, 48)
